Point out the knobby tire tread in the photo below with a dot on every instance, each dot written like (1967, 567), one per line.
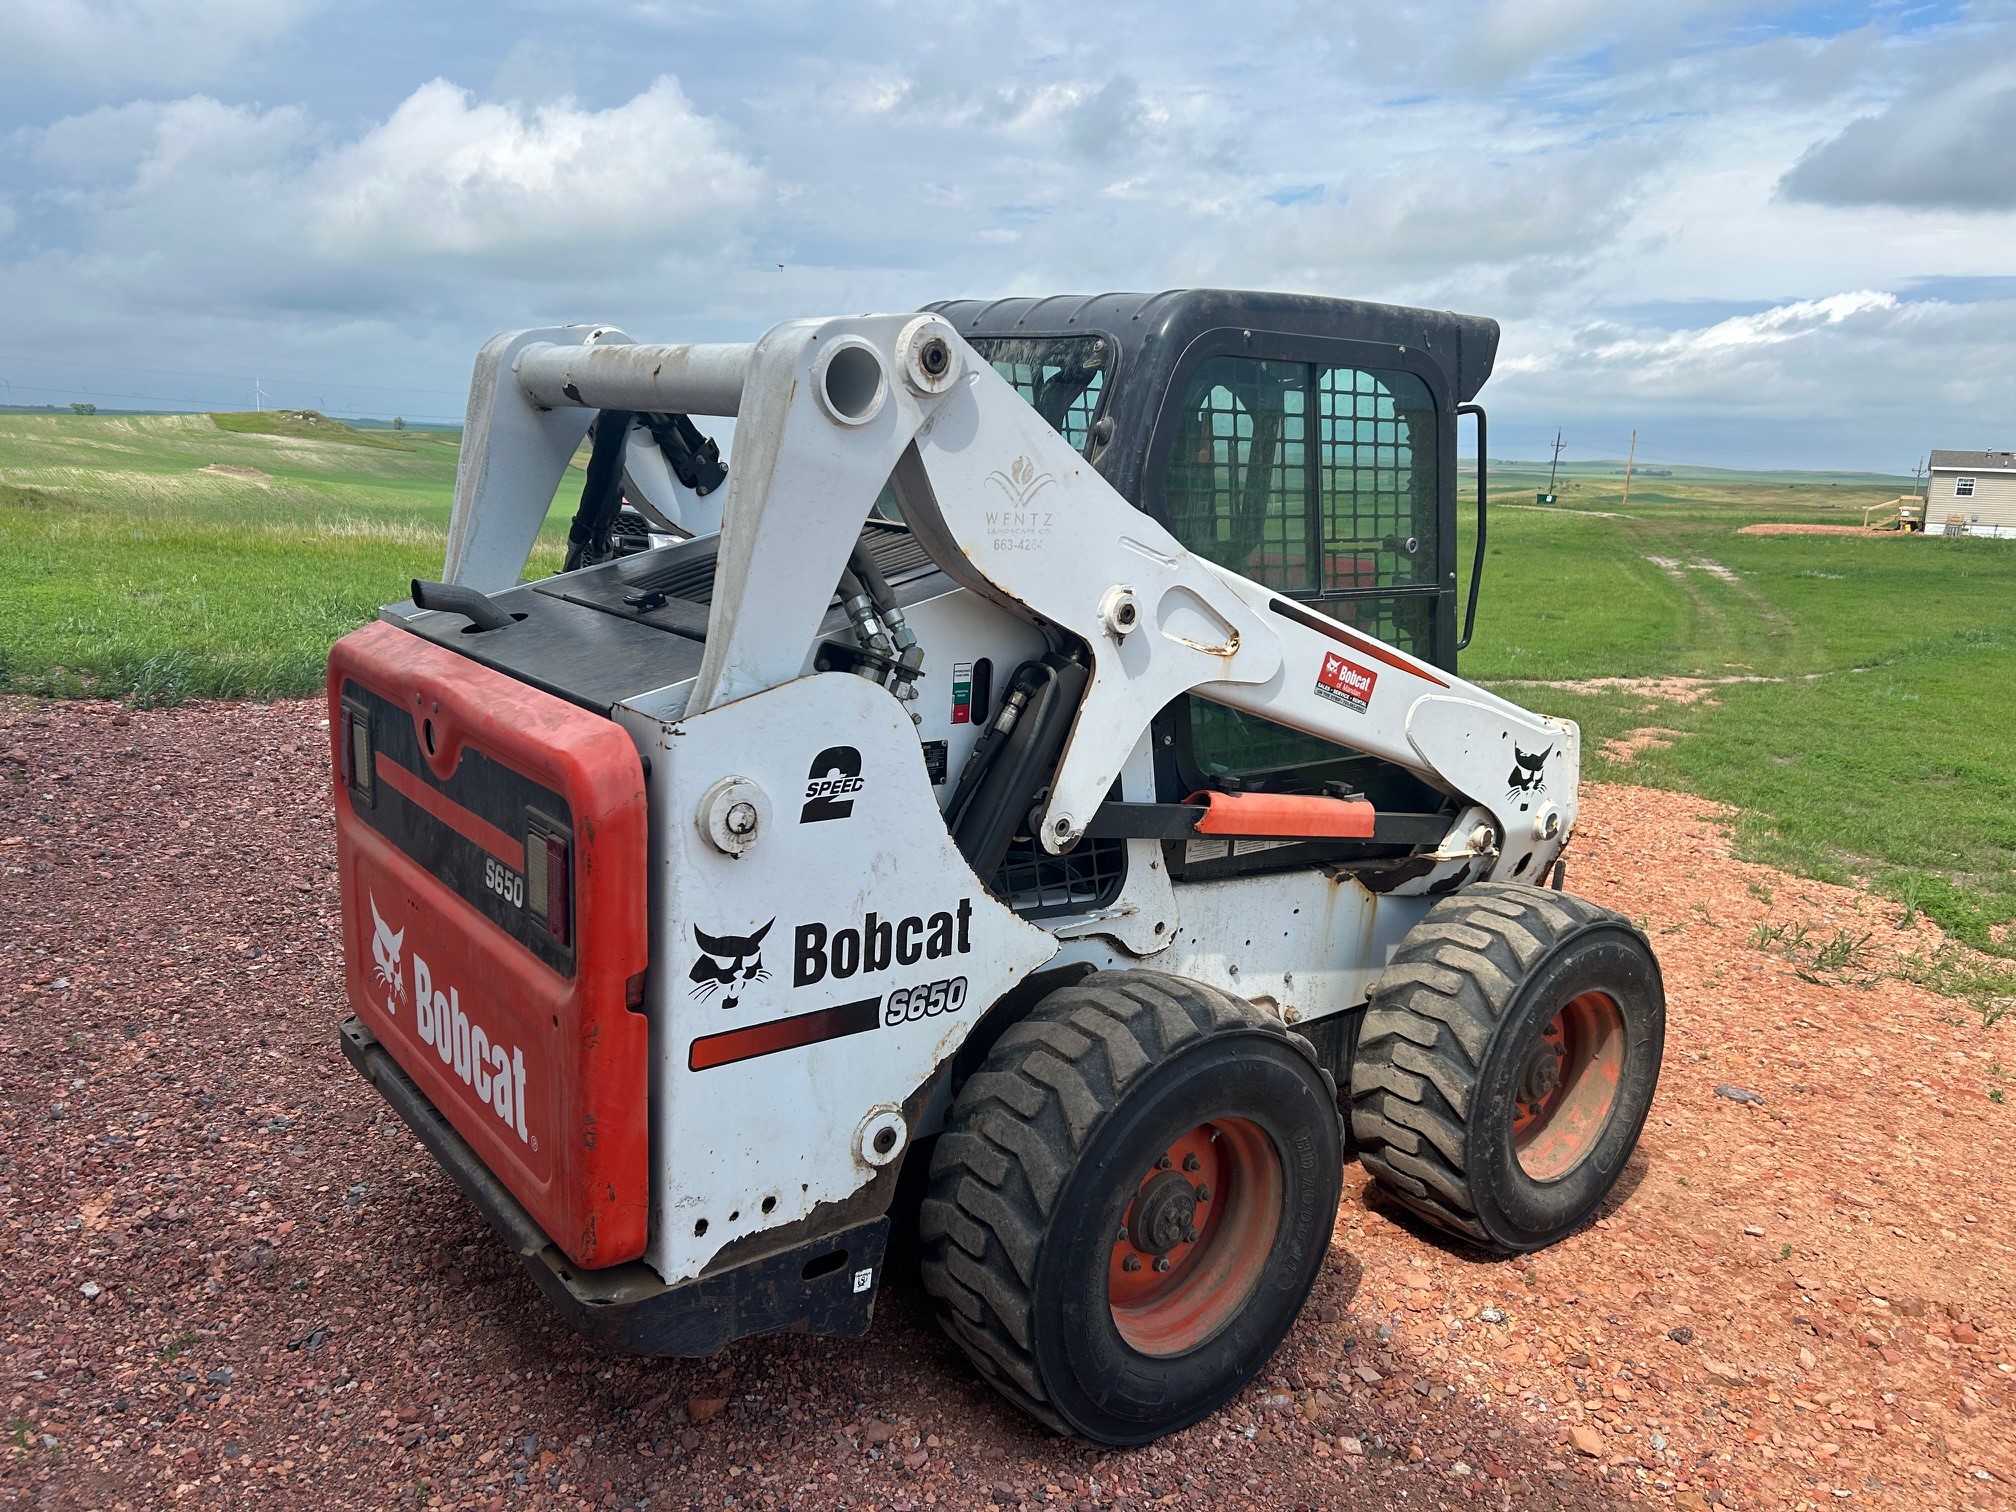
(1428, 1024)
(1016, 1132)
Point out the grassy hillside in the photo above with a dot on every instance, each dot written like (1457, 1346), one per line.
(308, 425)
(167, 556)
(1856, 710)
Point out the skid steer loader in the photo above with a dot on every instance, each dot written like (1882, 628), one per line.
(1027, 794)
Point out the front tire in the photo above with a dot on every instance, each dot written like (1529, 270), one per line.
(1507, 1062)
(1130, 1203)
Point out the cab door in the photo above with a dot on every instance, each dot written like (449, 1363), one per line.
(1321, 469)
(1324, 470)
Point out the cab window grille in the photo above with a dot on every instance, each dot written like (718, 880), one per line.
(1315, 481)
(1062, 377)
(1318, 482)
(1238, 482)
(1376, 494)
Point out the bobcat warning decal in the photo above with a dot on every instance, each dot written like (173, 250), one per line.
(1344, 681)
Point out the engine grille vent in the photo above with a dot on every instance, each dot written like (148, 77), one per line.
(1037, 884)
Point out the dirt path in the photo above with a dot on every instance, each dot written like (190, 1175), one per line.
(236, 1281)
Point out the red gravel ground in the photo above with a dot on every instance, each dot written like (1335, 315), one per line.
(235, 1280)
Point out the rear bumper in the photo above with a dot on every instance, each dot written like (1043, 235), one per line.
(827, 1287)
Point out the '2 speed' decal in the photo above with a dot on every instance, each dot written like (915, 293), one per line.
(830, 785)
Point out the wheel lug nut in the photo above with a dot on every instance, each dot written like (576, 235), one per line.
(1162, 1263)
(1192, 1163)
(1121, 1237)
(1162, 1162)
(1203, 1192)
(1131, 1263)
(1189, 1236)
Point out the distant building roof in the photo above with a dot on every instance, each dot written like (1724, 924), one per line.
(1984, 461)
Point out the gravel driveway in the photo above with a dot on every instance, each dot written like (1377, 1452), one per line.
(236, 1280)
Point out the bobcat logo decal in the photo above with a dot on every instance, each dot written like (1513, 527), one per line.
(1529, 772)
(385, 948)
(731, 962)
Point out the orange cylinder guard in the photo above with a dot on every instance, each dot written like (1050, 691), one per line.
(1287, 815)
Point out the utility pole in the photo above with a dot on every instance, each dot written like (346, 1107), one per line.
(1555, 465)
(1629, 462)
(1917, 475)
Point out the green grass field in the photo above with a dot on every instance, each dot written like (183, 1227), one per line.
(1879, 739)
(164, 557)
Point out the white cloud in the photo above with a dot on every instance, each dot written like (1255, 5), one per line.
(1855, 379)
(1949, 145)
(1102, 117)
(7, 219)
(1603, 179)
(152, 43)
(107, 139)
(449, 177)
(1484, 44)
(196, 202)
(1478, 232)
(1800, 320)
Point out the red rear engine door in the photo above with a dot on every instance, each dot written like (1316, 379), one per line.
(491, 840)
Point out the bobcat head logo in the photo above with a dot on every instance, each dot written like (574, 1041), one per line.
(1529, 771)
(731, 962)
(385, 948)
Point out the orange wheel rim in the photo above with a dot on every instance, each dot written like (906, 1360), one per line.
(1568, 1086)
(1195, 1237)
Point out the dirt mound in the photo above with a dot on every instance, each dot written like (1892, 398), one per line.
(1626, 747)
(236, 1279)
(1673, 690)
(1782, 529)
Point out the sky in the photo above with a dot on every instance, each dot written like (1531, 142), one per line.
(1758, 234)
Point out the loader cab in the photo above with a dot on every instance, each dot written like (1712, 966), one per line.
(1306, 443)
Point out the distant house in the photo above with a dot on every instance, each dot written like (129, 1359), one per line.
(1977, 487)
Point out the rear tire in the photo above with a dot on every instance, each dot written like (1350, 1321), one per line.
(1105, 1292)
(1507, 1062)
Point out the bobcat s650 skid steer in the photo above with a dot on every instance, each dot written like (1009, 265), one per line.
(1031, 797)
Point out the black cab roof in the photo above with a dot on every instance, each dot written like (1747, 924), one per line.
(1464, 346)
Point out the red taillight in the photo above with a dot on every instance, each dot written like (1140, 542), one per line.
(549, 882)
(559, 891)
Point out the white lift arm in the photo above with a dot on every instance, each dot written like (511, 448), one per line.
(830, 410)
